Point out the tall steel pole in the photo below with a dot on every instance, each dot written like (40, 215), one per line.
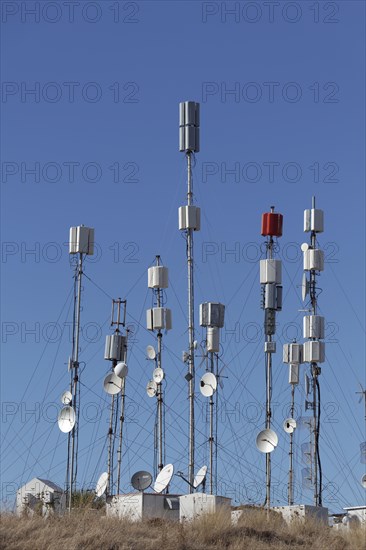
(291, 452)
(189, 221)
(72, 460)
(268, 361)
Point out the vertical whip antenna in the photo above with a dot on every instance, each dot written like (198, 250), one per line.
(189, 221)
(270, 279)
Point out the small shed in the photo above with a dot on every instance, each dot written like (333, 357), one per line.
(39, 495)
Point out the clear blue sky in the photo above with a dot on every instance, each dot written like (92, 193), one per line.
(100, 132)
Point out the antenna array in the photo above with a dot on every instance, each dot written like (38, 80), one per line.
(159, 318)
(81, 242)
(270, 279)
(212, 317)
(189, 221)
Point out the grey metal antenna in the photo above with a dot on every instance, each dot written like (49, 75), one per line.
(81, 242)
(270, 279)
(159, 318)
(314, 347)
(212, 316)
(189, 221)
(114, 385)
(293, 355)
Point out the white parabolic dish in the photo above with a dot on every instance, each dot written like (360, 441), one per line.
(112, 384)
(121, 370)
(208, 384)
(163, 478)
(101, 484)
(158, 375)
(66, 419)
(267, 441)
(66, 397)
(289, 425)
(151, 388)
(150, 352)
(200, 477)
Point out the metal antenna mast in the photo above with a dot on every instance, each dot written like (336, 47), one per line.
(189, 221)
(314, 348)
(159, 318)
(293, 355)
(114, 385)
(81, 242)
(212, 316)
(270, 279)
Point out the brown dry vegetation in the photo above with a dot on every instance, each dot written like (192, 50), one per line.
(90, 529)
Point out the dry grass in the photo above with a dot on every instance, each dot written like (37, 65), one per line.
(90, 529)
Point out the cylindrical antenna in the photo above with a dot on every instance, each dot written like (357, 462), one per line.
(81, 242)
(270, 279)
(158, 319)
(189, 221)
(314, 347)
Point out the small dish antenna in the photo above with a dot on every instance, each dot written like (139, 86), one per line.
(163, 478)
(151, 388)
(304, 247)
(112, 384)
(200, 477)
(267, 441)
(141, 480)
(304, 287)
(66, 419)
(101, 484)
(363, 481)
(121, 370)
(66, 397)
(150, 352)
(195, 344)
(158, 375)
(289, 425)
(208, 384)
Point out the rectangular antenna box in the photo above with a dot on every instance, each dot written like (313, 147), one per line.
(314, 220)
(212, 314)
(115, 347)
(159, 318)
(198, 504)
(139, 506)
(81, 240)
(302, 512)
(313, 326)
(270, 271)
(189, 218)
(157, 276)
(314, 352)
(314, 259)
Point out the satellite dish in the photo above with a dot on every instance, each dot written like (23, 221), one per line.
(266, 441)
(66, 419)
(305, 247)
(200, 477)
(307, 384)
(151, 388)
(101, 484)
(112, 384)
(289, 425)
(163, 478)
(141, 480)
(121, 370)
(363, 481)
(208, 384)
(150, 352)
(66, 397)
(304, 287)
(158, 375)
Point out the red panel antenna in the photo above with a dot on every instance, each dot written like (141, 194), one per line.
(272, 224)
